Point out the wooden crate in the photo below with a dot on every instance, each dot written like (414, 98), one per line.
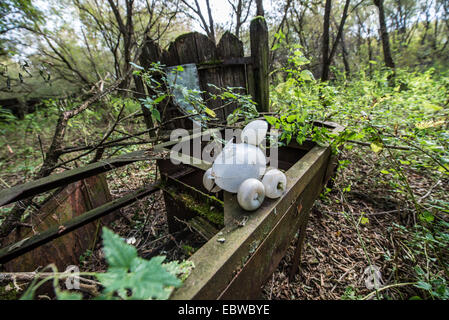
(237, 260)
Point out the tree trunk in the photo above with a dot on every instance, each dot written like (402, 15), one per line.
(260, 11)
(211, 22)
(345, 57)
(384, 35)
(370, 54)
(325, 45)
(327, 59)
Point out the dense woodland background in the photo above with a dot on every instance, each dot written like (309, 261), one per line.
(378, 67)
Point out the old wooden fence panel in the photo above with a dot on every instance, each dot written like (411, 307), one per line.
(222, 65)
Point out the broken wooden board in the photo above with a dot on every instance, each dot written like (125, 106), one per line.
(68, 203)
(61, 179)
(19, 248)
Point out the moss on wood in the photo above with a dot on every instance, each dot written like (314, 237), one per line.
(210, 209)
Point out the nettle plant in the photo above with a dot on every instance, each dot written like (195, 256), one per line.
(128, 276)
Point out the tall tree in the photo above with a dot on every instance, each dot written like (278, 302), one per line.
(241, 10)
(194, 12)
(259, 6)
(388, 58)
(326, 56)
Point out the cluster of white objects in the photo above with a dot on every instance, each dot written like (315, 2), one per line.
(241, 168)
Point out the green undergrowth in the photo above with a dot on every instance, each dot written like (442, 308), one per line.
(402, 119)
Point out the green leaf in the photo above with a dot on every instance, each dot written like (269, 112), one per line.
(291, 118)
(271, 120)
(132, 277)
(300, 138)
(376, 147)
(210, 112)
(426, 216)
(156, 115)
(159, 99)
(118, 254)
(424, 285)
(364, 220)
(307, 75)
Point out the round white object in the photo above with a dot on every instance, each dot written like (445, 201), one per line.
(236, 163)
(251, 194)
(275, 183)
(209, 181)
(254, 132)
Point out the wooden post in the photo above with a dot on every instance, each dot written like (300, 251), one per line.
(259, 53)
(150, 53)
(140, 94)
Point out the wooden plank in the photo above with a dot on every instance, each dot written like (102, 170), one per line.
(260, 54)
(231, 48)
(203, 227)
(212, 276)
(266, 257)
(184, 200)
(70, 202)
(51, 182)
(151, 52)
(186, 48)
(226, 62)
(205, 48)
(12, 251)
